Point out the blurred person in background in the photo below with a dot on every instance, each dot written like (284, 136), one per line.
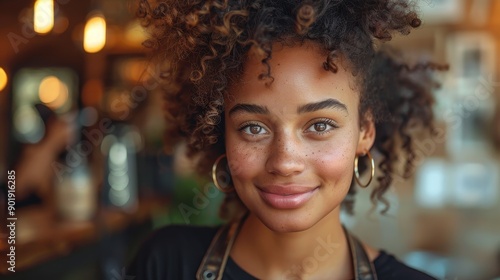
(34, 169)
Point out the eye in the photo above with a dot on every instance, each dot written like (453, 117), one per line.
(322, 126)
(253, 129)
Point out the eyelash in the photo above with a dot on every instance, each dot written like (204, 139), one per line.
(327, 122)
(250, 124)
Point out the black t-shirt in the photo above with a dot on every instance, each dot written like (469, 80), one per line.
(175, 252)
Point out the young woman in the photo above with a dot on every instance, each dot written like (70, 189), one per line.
(283, 102)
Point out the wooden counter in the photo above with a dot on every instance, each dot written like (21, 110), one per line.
(42, 236)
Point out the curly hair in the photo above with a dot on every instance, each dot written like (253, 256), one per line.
(202, 47)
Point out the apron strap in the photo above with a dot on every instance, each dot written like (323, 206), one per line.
(215, 259)
(363, 268)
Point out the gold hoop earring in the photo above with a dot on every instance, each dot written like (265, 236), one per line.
(214, 176)
(356, 172)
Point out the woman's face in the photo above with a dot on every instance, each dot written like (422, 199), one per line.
(291, 145)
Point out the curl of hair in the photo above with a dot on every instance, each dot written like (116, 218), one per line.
(204, 45)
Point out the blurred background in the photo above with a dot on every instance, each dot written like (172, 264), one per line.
(81, 125)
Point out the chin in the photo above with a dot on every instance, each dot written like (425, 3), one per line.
(286, 222)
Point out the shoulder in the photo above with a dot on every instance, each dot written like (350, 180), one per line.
(388, 267)
(172, 252)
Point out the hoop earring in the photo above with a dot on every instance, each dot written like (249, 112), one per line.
(356, 172)
(214, 176)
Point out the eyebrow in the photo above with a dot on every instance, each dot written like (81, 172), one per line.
(307, 108)
(249, 108)
(325, 104)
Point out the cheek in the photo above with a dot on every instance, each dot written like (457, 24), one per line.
(245, 160)
(334, 163)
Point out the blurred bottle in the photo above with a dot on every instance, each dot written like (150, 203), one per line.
(76, 195)
(120, 172)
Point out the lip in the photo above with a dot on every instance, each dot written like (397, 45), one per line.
(286, 197)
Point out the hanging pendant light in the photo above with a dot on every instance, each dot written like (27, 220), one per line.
(3, 79)
(43, 16)
(94, 37)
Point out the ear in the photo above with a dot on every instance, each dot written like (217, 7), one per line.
(366, 135)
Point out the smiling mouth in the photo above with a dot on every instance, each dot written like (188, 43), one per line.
(282, 198)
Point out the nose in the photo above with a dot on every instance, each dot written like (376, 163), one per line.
(285, 156)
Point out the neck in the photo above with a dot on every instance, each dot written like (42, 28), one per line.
(319, 252)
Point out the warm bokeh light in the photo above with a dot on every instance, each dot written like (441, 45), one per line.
(495, 20)
(53, 92)
(94, 37)
(43, 18)
(135, 33)
(3, 79)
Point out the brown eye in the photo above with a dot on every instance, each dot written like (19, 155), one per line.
(255, 129)
(319, 126)
(322, 126)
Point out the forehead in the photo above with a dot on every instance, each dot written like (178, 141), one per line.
(298, 78)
